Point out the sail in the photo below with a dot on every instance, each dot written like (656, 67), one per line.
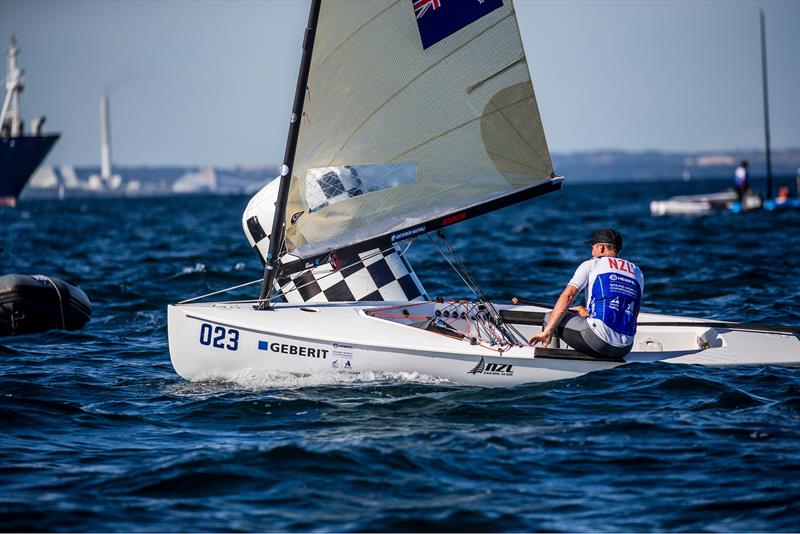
(412, 112)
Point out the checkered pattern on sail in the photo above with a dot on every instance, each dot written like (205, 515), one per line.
(374, 276)
(331, 185)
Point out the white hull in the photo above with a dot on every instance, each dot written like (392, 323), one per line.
(222, 340)
(701, 204)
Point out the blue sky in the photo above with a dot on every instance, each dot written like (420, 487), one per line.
(207, 82)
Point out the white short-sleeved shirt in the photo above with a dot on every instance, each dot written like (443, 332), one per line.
(740, 176)
(614, 289)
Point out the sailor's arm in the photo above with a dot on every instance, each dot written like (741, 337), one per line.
(557, 314)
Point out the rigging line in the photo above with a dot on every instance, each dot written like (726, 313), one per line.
(489, 328)
(479, 293)
(408, 246)
(281, 252)
(497, 334)
(492, 334)
(393, 96)
(220, 291)
(454, 267)
(520, 339)
(409, 305)
(469, 281)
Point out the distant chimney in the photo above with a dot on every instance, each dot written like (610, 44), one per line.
(105, 140)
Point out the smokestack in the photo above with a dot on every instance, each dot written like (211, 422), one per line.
(105, 140)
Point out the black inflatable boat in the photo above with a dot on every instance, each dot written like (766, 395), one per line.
(38, 303)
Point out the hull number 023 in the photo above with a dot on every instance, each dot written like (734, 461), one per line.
(219, 337)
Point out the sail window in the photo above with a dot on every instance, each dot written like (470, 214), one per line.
(329, 185)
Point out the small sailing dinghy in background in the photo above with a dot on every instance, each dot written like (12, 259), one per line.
(409, 118)
(704, 204)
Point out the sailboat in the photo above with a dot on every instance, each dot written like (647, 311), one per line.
(410, 116)
(704, 204)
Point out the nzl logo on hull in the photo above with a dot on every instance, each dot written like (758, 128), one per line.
(503, 369)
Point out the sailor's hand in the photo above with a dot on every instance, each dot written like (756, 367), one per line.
(543, 338)
(580, 310)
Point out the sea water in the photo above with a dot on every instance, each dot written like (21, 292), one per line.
(98, 433)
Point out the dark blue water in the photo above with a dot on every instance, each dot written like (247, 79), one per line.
(97, 432)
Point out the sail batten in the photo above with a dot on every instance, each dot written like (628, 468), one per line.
(395, 134)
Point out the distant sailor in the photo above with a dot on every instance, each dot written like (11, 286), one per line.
(614, 289)
(740, 180)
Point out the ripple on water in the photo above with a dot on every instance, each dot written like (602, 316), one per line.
(100, 434)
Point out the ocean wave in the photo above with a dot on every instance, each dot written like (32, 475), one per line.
(100, 434)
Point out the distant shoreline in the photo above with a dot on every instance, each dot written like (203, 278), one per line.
(600, 166)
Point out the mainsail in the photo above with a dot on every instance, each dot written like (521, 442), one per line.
(398, 139)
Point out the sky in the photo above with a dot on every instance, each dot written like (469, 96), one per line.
(203, 82)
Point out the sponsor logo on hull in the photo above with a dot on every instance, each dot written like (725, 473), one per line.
(483, 368)
(344, 356)
(292, 350)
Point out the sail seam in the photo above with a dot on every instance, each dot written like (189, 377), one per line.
(454, 128)
(340, 45)
(406, 86)
(521, 164)
(516, 131)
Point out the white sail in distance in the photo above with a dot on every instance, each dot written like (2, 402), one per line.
(394, 134)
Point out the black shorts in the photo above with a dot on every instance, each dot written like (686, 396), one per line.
(578, 334)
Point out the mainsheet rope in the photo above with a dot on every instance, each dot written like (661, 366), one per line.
(512, 334)
(297, 288)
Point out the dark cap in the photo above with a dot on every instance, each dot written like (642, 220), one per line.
(606, 235)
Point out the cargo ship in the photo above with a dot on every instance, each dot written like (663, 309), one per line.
(20, 152)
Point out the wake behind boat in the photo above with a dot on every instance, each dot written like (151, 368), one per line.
(408, 120)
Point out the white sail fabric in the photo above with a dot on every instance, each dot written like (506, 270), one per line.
(393, 134)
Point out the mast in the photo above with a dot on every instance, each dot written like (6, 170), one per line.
(766, 100)
(276, 236)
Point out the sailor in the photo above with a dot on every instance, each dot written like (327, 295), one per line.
(740, 180)
(614, 289)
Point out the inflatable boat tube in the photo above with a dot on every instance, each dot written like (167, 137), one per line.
(37, 303)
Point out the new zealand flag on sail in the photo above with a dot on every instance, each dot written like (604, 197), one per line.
(438, 19)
